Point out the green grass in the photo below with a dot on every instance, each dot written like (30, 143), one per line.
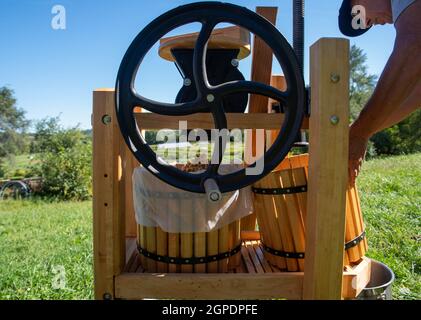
(36, 236)
(390, 192)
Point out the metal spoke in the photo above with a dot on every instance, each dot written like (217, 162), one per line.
(168, 109)
(251, 87)
(199, 57)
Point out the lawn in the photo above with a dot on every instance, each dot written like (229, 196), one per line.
(39, 239)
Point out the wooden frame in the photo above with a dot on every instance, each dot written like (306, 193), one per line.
(328, 161)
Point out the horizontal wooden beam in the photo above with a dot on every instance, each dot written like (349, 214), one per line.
(355, 280)
(209, 286)
(230, 285)
(267, 121)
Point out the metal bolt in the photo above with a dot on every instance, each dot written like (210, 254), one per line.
(334, 120)
(214, 196)
(107, 296)
(106, 119)
(235, 63)
(187, 82)
(335, 78)
(210, 98)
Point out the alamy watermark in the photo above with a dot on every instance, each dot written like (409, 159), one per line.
(359, 17)
(59, 277)
(58, 22)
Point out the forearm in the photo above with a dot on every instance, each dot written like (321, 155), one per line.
(389, 103)
(411, 104)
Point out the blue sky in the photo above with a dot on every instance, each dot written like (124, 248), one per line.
(54, 71)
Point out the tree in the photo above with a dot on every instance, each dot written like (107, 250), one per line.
(13, 125)
(362, 83)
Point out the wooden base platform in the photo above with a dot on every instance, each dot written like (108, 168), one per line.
(254, 279)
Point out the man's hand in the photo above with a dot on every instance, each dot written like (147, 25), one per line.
(357, 150)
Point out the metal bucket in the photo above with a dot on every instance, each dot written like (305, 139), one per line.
(380, 285)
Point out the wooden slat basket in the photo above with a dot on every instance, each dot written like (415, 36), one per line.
(280, 201)
(217, 251)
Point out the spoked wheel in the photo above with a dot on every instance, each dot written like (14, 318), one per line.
(209, 98)
(14, 190)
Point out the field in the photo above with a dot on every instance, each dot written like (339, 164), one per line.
(40, 241)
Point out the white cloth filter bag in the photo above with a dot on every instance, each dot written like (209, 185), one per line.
(174, 210)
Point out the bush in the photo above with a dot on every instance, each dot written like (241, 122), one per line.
(64, 161)
(20, 173)
(403, 138)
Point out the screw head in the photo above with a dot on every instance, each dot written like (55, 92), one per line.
(235, 63)
(187, 82)
(107, 296)
(334, 120)
(335, 78)
(210, 97)
(106, 119)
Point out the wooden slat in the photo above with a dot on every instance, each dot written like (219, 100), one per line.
(261, 71)
(212, 249)
(328, 169)
(151, 247)
(262, 62)
(279, 82)
(141, 238)
(186, 239)
(200, 250)
(351, 230)
(254, 258)
(235, 260)
(153, 121)
(209, 286)
(108, 218)
(247, 261)
(173, 238)
(248, 223)
(259, 252)
(161, 248)
(223, 246)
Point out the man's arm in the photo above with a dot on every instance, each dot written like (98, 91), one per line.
(397, 93)
(411, 104)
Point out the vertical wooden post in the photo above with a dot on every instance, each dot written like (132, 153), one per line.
(328, 169)
(261, 71)
(108, 213)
